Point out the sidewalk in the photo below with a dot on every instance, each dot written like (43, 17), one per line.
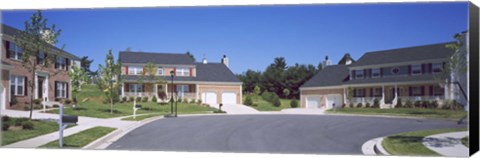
(83, 124)
(447, 144)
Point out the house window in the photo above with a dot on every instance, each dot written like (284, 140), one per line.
(359, 92)
(182, 72)
(135, 70)
(160, 71)
(395, 70)
(416, 69)
(17, 85)
(183, 88)
(417, 91)
(359, 74)
(437, 67)
(14, 51)
(135, 88)
(375, 73)
(61, 63)
(41, 57)
(377, 92)
(61, 90)
(438, 91)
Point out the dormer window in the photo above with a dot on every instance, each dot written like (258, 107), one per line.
(135, 70)
(160, 71)
(437, 67)
(359, 74)
(416, 69)
(182, 72)
(376, 73)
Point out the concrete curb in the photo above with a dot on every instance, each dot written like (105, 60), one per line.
(383, 116)
(447, 144)
(108, 139)
(374, 147)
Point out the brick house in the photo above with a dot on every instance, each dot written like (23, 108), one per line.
(52, 82)
(388, 76)
(212, 83)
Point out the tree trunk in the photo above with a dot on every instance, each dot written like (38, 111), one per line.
(31, 90)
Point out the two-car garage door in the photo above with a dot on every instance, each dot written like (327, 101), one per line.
(227, 98)
(315, 101)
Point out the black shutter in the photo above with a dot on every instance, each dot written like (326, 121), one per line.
(371, 92)
(431, 90)
(67, 63)
(56, 63)
(37, 56)
(66, 90)
(409, 69)
(353, 74)
(381, 72)
(143, 86)
(7, 46)
(409, 91)
(56, 92)
(126, 87)
(422, 89)
(423, 68)
(25, 86)
(430, 67)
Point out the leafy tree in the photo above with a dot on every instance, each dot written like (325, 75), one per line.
(248, 100)
(36, 37)
(78, 77)
(190, 55)
(250, 79)
(286, 92)
(151, 70)
(85, 64)
(110, 80)
(345, 58)
(257, 91)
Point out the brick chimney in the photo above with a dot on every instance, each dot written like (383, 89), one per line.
(224, 60)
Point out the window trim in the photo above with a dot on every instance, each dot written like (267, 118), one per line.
(419, 88)
(41, 55)
(438, 89)
(182, 72)
(375, 90)
(61, 63)
(135, 88)
(16, 85)
(357, 73)
(379, 73)
(17, 51)
(414, 66)
(135, 70)
(61, 87)
(160, 69)
(440, 67)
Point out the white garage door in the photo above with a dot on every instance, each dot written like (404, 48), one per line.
(313, 102)
(209, 97)
(334, 99)
(229, 98)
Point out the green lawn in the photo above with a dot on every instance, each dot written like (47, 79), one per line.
(94, 106)
(410, 143)
(465, 141)
(411, 112)
(263, 105)
(16, 134)
(81, 139)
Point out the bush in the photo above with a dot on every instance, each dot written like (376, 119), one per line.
(359, 105)
(294, 103)
(399, 103)
(5, 126)
(417, 104)
(131, 98)
(145, 99)
(435, 104)
(408, 104)
(5, 119)
(269, 96)
(351, 105)
(254, 104)
(248, 101)
(367, 105)
(27, 125)
(37, 101)
(154, 99)
(185, 100)
(68, 101)
(19, 121)
(199, 101)
(138, 99)
(192, 101)
(376, 103)
(276, 102)
(124, 99)
(56, 105)
(344, 105)
(179, 99)
(26, 107)
(14, 100)
(57, 99)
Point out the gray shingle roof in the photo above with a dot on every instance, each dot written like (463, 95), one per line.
(332, 75)
(211, 72)
(11, 31)
(417, 53)
(157, 58)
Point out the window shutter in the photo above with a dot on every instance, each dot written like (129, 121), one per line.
(354, 93)
(56, 92)
(409, 91)
(126, 70)
(353, 74)
(423, 68)
(127, 86)
(381, 72)
(371, 92)
(409, 69)
(422, 89)
(430, 67)
(56, 63)
(431, 90)
(66, 90)
(190, 72)
(38, 59)
(25, 86)
(6, 44)
(67, 63)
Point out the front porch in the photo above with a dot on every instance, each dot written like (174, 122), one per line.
(163, 92)
(388, 96)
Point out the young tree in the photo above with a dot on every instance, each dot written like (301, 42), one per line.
(35, 38)
(151, 70)
(78, 77)
(257, 91)
(286, 92)
(110, 80)
(191, 55)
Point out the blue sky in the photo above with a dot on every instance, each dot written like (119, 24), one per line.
(251, 36)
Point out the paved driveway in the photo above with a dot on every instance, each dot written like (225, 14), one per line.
(269, 133)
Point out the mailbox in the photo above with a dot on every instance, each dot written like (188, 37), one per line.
(69, 119)
(138, 106)
(221, 104)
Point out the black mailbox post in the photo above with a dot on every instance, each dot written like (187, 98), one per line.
(69, 119)
(220, 106)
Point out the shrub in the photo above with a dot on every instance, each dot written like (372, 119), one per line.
(154, 99)
(351, 105)
(294, 103)
(276, 102)
(185, 100)
(57, 99)
(254, 104)
(14, 100)
(399, 103)
(376, 103)
(27, 125)
(179, 99)
(408, 104)
(192, 101)
(367, 105)
(435, 104)
(199, 101)
(68, 101)
(359, 105)
(56, 105)
(138, 99)
(5, 119)
(37, 107)
(145, 99)
(131, 98)
(5, 126)
(417, 104)
(124, 99)
(248, 101)
(26, 107)
(37, 101)
(19, 121)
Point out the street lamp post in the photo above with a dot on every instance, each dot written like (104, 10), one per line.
(171, 96)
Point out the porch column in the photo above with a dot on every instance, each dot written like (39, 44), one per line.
(344, 95)
(396, 96)
(123, 90)
(396, 91)
(383, 95)
(196, 92)
(446, 91)
(166, 90)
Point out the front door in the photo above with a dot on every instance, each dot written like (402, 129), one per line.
(40, 88)
(161, 92)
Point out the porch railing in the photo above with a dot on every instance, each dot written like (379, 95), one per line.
(365, 100)
(421, 98)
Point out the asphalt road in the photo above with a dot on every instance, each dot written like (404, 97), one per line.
(321, 134)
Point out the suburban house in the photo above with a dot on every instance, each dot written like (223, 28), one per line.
(388, 76)
(52, 82)
(212, 83)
